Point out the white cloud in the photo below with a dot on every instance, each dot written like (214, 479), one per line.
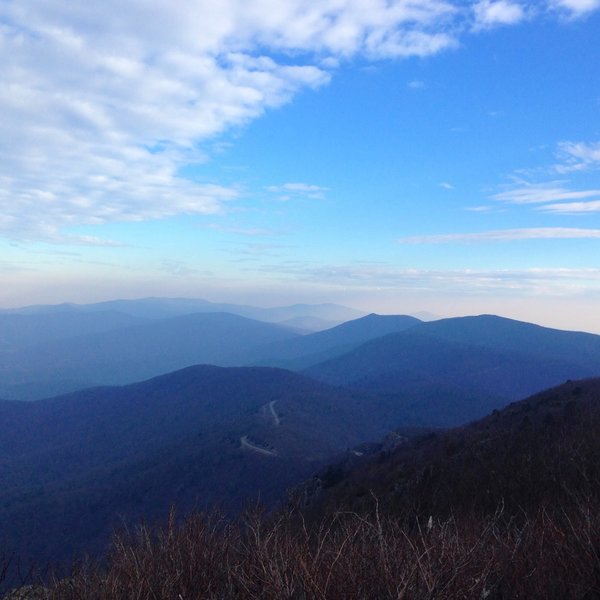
(103, 104)
(556, 196)
(505, 235)
(578, 156)
(573, 208)
(491, 13)
(534, 281)
(446, 185)
(575, 8)
(482, 208)
(287, 191)
(552, 191)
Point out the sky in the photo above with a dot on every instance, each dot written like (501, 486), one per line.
(396, 156)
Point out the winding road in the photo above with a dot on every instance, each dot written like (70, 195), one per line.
(248, 445)
(267, 409)
(276, 418)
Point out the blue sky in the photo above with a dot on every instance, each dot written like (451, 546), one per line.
(395, 156)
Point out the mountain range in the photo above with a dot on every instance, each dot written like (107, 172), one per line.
(47, 350)
(169, 429)
(307, 350)
(327, 315)
(133, 353)
(461, 367)
(450, 371)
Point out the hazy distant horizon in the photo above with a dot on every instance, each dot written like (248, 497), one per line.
(397, 157)
(548, 318)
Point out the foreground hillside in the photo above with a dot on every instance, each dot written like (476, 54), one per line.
(540, 452)
(72, 467)
(507, 507)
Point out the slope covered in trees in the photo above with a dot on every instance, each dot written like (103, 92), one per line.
(127, 354)
(451, 371)
(506, 507)
(301, 352)
(71, 467)
(543, 451)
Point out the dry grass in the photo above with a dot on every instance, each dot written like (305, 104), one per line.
(550, 556)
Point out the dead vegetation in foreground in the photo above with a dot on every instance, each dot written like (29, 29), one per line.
(548, 555)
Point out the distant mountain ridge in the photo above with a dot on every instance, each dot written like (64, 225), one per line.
(136, 352)
(451, 371)
(503, 334)
(43, 348)
(20, 331)
(427, 364)
(301, 352)
(148, 347)
(160, 308)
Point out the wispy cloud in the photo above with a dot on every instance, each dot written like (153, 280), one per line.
(482, 208)
(578, 156)
(539, 193)
(556, 196)
(573, 208)
(556, 281)
(103, 105)
(491, 13)
(12, 267)
(575, 8)
(98, 114)
(287, 191)
(505, 235)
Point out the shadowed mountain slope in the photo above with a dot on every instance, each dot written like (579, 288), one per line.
(541, 451)
(509, 335)
(301, 352)
(504, 508)
(73, 466)
(133, 353)
(449, 372)
(20, 331)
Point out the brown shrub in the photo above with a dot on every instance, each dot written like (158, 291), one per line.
(350, 556)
